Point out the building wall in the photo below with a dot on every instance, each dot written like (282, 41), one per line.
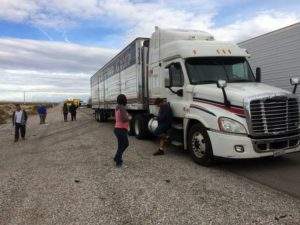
(278, 55)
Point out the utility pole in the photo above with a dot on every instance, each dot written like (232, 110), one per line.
(24, 96)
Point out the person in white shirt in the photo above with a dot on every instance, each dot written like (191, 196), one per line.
(19, 120)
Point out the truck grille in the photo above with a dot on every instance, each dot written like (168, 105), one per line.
(274, 115)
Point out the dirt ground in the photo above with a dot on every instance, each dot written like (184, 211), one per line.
(64, 174)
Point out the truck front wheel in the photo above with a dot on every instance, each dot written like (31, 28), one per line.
(199, 145)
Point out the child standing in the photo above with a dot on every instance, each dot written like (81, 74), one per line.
(121, 128)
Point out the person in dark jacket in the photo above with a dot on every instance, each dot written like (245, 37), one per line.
(72, 110)
(121, 128)
(42, 111)
(165, 117)
(65, 112)
(19, 120)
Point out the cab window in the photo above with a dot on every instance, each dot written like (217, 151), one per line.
(176, 75)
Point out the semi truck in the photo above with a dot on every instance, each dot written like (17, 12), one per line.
(220, 107)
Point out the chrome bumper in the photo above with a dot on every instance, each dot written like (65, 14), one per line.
(273, 144)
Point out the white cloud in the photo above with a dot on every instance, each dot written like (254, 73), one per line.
(38, 84)
(50, 67)
(138, 18)
(66, 13)
(17, 11)
(261, 23)
(51, 56)
(143, 17)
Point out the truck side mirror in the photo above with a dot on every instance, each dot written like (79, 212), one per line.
(222, 83)
(258, 75)
(294, 81)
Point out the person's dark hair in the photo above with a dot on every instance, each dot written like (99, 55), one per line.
(158, 101)
(122, 100)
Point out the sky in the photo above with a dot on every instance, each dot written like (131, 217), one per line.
(49, 49)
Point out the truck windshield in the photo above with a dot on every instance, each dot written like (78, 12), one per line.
(210, 70)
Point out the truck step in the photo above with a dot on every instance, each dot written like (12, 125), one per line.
(177, 126)
(176, 143)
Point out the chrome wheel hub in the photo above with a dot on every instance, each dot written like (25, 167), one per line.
(136, 127)
(198, 145)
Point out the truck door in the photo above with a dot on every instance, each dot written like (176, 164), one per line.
(175, 94)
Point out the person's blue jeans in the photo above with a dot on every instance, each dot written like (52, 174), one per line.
(122, 138)
(161, 129)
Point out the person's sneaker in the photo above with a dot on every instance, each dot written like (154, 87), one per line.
(159, 152)
(15, 140)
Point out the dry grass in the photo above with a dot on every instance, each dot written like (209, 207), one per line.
(7, 109)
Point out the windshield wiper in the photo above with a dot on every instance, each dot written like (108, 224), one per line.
(241, 80)
(207, 82)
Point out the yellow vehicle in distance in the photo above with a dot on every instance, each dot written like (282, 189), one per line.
(74, 101)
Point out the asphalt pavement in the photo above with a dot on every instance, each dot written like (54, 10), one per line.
(281, 173)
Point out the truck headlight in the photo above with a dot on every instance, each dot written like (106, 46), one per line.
(231, 126)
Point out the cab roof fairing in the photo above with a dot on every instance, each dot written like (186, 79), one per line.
(189, 49)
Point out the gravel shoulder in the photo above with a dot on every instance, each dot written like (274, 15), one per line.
(64, 174)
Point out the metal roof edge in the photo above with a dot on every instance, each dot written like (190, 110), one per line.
(268, 33)
(119, 53)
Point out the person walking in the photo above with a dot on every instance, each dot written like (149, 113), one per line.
(42, 111)
(19, 120)
(73, 109)
(65, 112)
(121, 128)
(165, 117)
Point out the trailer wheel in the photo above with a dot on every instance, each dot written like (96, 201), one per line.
(199, 145)
(141, 126)
(97, 115)
(103, 116)
(131, 128)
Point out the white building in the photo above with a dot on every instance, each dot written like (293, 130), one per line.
(278, 55)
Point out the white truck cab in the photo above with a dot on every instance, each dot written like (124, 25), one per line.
(225, 110)
(221, 109)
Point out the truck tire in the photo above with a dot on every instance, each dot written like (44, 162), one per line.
(199, 145)
(103, 116)
(97, 115)
(131, 128)
(141, 126)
